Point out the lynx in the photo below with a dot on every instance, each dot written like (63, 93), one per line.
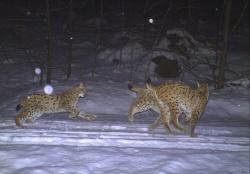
(170, 100)
(32, 107)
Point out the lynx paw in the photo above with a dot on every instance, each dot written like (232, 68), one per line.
(152, 127)
(72, 116)
(87, 116)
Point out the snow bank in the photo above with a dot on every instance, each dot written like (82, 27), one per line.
(127, 52)
(244, 82)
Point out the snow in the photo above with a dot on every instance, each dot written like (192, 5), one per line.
(124, 52)
(110, 144)
(240, 82)
(97, 148)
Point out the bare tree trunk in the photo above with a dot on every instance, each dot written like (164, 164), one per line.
(49, 44)
(5, 53)
(219, 17)
(99, 38)
(120, 55)
(41, 75)
(144, 18)
(189, 15)
(131, 64)
(122, 29)
(70, 37)
(100, 24)
(223, 59)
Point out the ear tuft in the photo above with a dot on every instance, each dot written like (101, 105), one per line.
(198, 84)
(148, 81)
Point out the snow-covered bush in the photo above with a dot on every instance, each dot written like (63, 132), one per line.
(244, 82)
(123, 37)
(96, 22)
(6, 61)
(184, 43)
(184, 38)
(125, 52)
(192, 56)
(163, 44)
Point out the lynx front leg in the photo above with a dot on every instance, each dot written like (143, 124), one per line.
(74, 111)
(131, 112)
(175, 114)
(20, 118)
(87, 116)
(164, 116)
(166, 122)
(135, 108)
(138, 106)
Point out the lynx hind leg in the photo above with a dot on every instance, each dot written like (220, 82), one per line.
(156, 124)
(22, 117)
(26, 116)
(193, 123)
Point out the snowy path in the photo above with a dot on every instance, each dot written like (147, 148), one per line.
(55, 144)
(123, 135)
(119, 147)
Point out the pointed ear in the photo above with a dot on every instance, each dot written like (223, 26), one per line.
(81, 85)
(134, 88)
(206, 86)
(198, 84)
(149, 86)
(148, 81)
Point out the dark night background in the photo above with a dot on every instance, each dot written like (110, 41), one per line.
(121, 14)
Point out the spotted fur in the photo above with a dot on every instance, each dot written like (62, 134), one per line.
(170, 100)
(32, 107)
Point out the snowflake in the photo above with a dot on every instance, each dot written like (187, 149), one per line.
(38, 71)
(48, 89)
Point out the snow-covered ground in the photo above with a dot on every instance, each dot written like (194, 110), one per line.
(55, 144)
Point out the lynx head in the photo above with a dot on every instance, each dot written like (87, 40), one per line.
(81, 89)
(143, 101)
